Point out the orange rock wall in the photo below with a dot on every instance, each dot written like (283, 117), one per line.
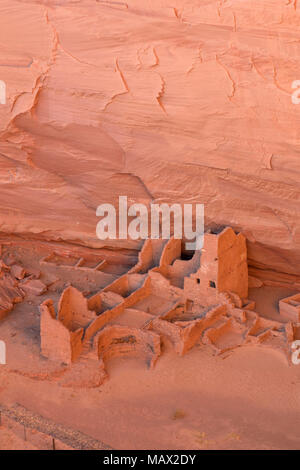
(182, 101)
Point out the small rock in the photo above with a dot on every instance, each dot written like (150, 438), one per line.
(34, 273)
(34, 287)
(9, 259)
(3, 266)
(17, 271)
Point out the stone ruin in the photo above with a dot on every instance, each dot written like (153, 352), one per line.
(223, 268)
(164, 298)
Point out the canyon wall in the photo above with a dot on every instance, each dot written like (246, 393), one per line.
(159, 100)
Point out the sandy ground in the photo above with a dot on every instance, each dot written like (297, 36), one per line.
(9, 441)
(249, 400)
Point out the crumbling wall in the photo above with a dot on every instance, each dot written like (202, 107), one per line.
(117, 340)
(146, 258)
(73, 310)
(183, 268)
(232, 263)
(111, 314)
(66, 267)
(162, 287)
(184, 334)
(57, 342)
(171, 252)
(223, 268)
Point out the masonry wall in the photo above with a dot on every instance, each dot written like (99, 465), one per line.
(233, 266)
(223, 268)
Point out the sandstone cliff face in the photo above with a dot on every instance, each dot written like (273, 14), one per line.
(175, 101)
